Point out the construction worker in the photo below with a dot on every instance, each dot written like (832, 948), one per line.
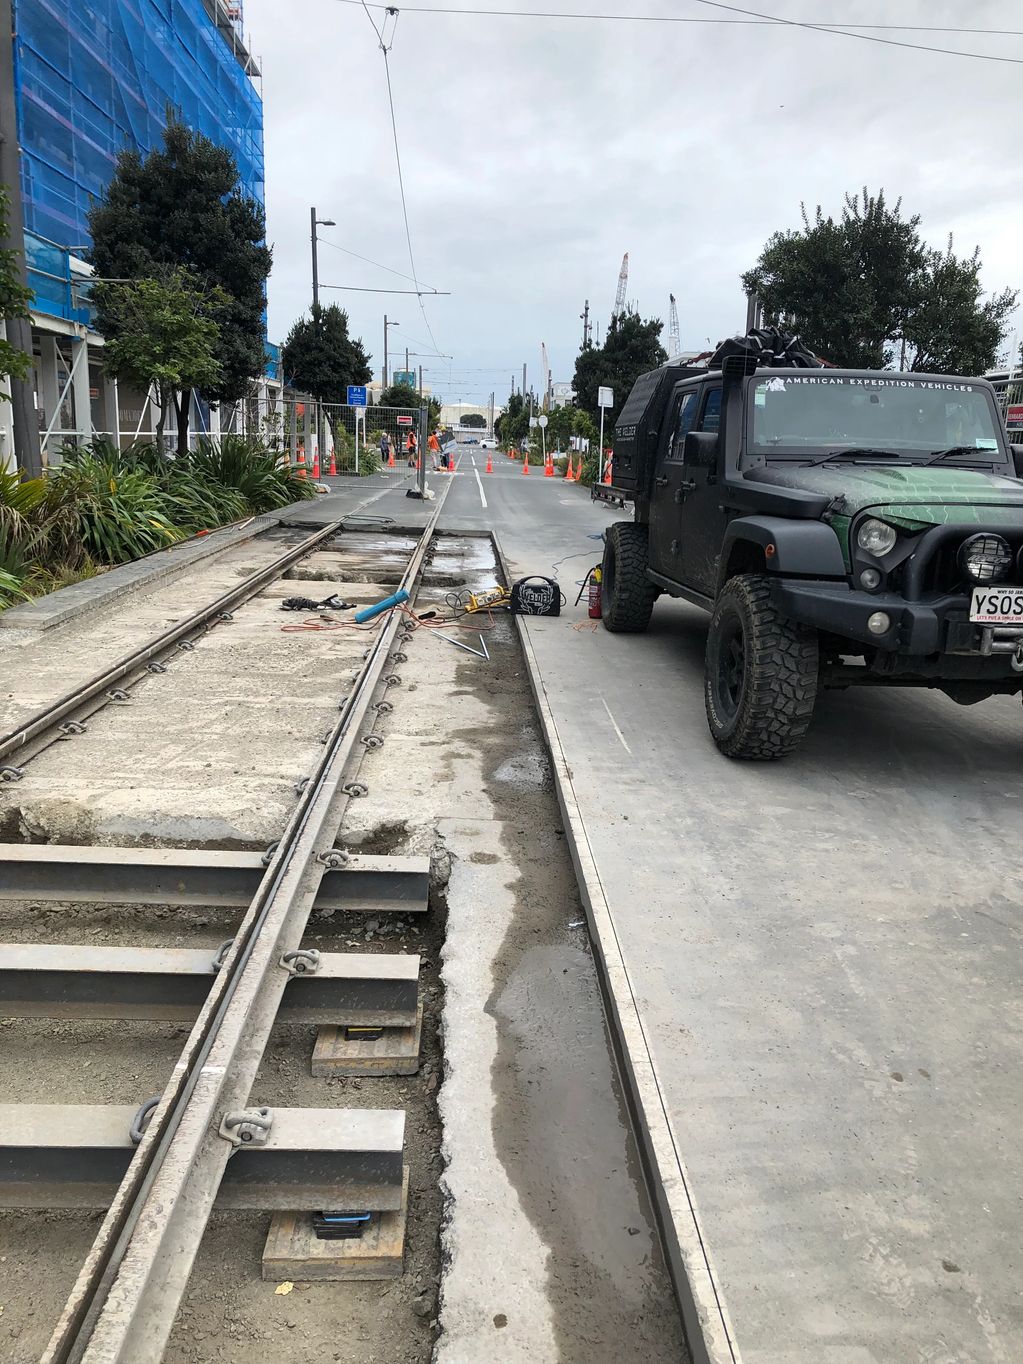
(411, 448)
(433, 445)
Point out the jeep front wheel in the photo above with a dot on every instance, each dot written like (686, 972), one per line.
(626, 593)
(760, 679)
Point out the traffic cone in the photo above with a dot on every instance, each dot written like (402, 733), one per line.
(490, 464)
(316, 465)
(525, 463)
(390, 457)
(333, 465)
(301, 462)
(569, 475)
(607, 473)
(548, 467)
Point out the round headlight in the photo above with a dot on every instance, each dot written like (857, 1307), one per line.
(985, 558)
(876, 537)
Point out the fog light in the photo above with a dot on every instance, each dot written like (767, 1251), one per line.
(985, 558)
(879, 623)
(870, 578)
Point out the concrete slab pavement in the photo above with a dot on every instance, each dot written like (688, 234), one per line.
(824, 957)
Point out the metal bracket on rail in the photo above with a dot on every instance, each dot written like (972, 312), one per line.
(221, 957)
(301, 785)
(11, 773)
(268, 856)
(70, 727)
(355, 788)
(334, 858)
(304, 961)
(140, 1122)
(399, 658)
(392, 680)
(155, 668)
(118, 694)
(373, 740)
(247, 1127)
(383, 707)
(226, 616)
(186, 646)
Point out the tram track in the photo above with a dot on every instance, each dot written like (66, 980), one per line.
(125, 1300)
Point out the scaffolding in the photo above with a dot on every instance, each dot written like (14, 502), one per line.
(91, 81)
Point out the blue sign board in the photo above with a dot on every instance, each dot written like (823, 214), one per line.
(356, 395)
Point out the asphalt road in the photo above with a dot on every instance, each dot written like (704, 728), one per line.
(826, 954)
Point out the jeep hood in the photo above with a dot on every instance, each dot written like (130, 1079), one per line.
(910, 495)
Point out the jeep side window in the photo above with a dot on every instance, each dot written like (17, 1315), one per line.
(683, 423)
(711, 418)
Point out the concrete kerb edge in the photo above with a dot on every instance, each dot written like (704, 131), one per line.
(708, 1328)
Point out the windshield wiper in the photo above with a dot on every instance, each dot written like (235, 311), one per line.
(963, 450)
(853, 452)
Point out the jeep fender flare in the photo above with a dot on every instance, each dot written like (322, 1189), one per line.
(808, 549)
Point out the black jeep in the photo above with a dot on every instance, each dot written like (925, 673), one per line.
(842, 527)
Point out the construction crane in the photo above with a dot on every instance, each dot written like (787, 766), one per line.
(623, 284)
(674, 341)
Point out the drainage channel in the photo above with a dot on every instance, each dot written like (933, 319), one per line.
(160, 1169)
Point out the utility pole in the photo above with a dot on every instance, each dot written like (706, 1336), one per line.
(585, 315)
(315, 222)
(18, 329)
(385, 350)
(406, 361)
(523, 381)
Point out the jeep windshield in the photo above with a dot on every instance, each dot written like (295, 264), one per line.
(806, 415)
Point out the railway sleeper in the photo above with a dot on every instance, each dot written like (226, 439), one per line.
(202, 877)
(302, 1160)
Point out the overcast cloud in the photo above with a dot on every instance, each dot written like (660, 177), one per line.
(537, 151)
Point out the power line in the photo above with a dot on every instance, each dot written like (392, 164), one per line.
(391, 12)
(325, 241)
(361, 289)
(750, 17)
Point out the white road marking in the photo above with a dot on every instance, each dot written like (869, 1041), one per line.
(614, 725)
(479, 484)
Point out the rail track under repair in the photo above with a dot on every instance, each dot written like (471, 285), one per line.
(160, 1170)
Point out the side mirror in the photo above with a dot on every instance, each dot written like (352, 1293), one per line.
(1017, 459)
(701, 449)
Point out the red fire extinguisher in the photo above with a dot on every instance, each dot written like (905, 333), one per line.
(594, 611)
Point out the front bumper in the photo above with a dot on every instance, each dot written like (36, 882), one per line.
(936, 624)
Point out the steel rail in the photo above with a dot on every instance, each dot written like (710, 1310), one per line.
(92, 695)
(124, 1302)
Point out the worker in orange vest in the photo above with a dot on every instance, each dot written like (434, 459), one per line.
(433, 445)
(411, 448)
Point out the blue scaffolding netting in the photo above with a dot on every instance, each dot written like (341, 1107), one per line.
(95, 77)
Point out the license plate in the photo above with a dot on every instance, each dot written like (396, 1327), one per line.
(997, 606)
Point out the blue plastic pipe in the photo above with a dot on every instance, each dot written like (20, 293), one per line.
(368, 612)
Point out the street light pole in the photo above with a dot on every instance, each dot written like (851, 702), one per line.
(386, 325)
(315, 222)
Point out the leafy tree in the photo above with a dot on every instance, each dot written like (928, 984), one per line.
(631, 348)
(182, 206)
(866, 287)
(320, 358)
(404, 395)
(951, 330)
(474, 419)
(512, 426)
(163, 332)
(14, 301)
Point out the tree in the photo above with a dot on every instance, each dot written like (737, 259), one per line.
(14, 301)
(404, 395)
(951, 331)
(631, 348)
(163, 332)
(474, 419)
(320, 358)
(182, 206)
(866, 288)
(512, 426)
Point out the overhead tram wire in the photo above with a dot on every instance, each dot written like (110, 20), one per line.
(751, 17)
(325, 241)
(391, 11)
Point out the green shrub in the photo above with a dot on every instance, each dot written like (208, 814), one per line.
(369, 460)
(119, 513)
(264, 478)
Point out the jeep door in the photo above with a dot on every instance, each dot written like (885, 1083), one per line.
(666, 493)
(701, 520)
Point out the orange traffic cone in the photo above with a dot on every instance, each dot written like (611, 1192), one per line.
(301, 461)
(390, 457)
(333, 465)
(525, 463)
(316, 465)
(607, 473)
(490, 464)
(569, 475)
(548, 467)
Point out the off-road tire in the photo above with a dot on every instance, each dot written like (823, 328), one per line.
(761, 673)
(627, 595)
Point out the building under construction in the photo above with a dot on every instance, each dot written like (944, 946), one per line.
(90, 82)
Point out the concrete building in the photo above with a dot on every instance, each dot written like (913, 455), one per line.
(90, 82)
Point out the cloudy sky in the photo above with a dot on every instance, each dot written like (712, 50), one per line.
(536, 151)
